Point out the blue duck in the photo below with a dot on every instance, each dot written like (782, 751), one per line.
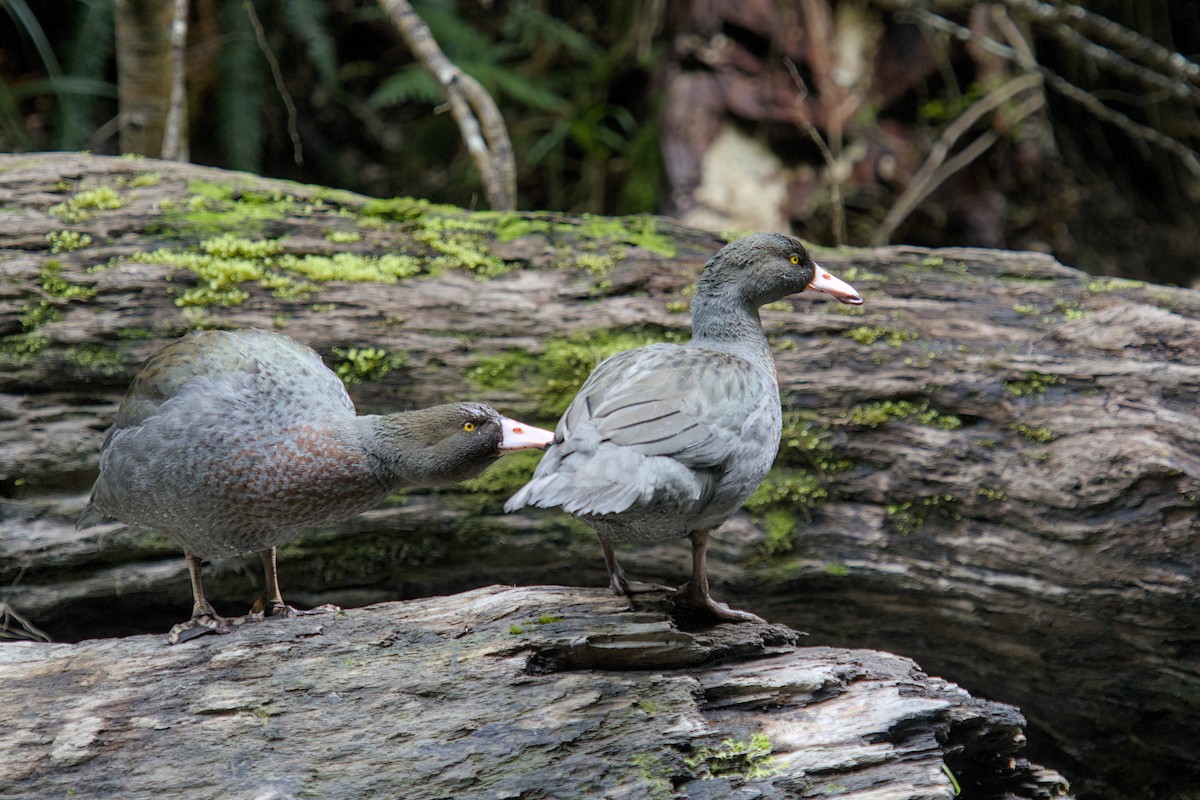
(667, 441)
(232, 442)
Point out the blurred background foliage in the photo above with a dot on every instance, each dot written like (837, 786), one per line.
(585, 86)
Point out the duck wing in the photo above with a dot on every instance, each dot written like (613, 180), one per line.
(658, 419)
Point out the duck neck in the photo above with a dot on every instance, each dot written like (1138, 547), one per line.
(399, 455)
(730, 323)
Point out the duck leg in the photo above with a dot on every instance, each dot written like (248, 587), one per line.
(204, 618)
(617, 582)
(275, 605)
(695, 594)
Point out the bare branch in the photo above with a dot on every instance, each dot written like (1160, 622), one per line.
(937, 167)
(835, 174)
(476, 113)
(280, 86)
(1135, 130)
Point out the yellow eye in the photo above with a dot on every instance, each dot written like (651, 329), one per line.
(795, 259)
(468, 426)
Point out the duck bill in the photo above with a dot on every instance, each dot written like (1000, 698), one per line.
(824, 282)
(519, 436)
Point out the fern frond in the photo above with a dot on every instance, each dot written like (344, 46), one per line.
(307, 20)
(241, 96)
(526, 91)
(535, 28)
(90, 54)
(412, 84)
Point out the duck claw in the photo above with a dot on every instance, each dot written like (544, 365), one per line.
(704, 603)
(204, 624)
(284, 611)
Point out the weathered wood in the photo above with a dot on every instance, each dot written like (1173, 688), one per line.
(537, 693)
(993, 467)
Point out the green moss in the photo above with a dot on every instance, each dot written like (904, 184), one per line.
(836, 569)
(597, 264)
(748, 759)
(933, 261)
(38, 313)
(546, 619)
(805, 440)
(872, 415)
(83, 205)
(405, 209)
(655, 772)
(553, 378)
(144, 180)
(352, 267)
(868, 334)
(359, 365)
(212, 209)
(992, 494)
(55, 285)
(96, 358)
(515, 630)
(780, 526)
(1105, 285)
(224, 263)
(344, 237)
(910, 516)
(1034, 383)
(647, 707)
(678, 307)
(1025, 308)
(462, 244)
(19, 349)
(605, 236)
(1041, 435)
(787, 489)
(67, 241)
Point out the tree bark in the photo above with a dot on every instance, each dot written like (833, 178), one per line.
(144, 73)
(538, 693)
(993, 467)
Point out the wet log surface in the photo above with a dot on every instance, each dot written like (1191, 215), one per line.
(992, 467)
(534, 693)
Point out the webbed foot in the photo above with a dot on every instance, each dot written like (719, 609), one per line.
(684, 595)
(284, 611)
(203, 624)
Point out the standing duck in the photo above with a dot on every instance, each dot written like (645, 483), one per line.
(232, 442)
(667, 441)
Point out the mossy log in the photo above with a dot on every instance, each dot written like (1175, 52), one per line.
(533, 693)
(993, 466)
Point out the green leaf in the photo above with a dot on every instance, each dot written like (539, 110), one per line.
(307, 19)
(412, 84)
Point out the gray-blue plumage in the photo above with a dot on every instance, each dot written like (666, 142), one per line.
(233, 442)
(669, 440)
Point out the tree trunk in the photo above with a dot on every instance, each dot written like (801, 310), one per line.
(536, 693)
(144, 73)
(993, 466)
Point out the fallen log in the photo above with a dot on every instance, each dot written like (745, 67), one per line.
(542, 692)
(992, 467)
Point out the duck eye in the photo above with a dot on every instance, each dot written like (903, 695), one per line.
(795, 259)
(468, 426)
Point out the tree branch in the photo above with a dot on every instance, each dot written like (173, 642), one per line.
(476, 113)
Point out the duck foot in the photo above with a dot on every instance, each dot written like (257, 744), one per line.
(704, 603)
(618, 584)
(203, 624)
(284, 611)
